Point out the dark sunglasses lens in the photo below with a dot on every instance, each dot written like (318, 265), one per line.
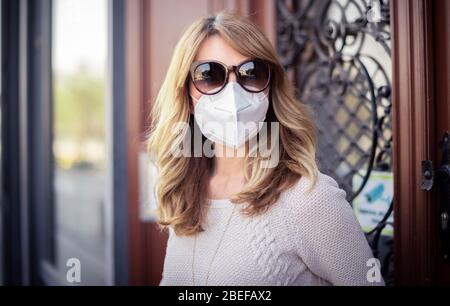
(209, 78)
(254, 75)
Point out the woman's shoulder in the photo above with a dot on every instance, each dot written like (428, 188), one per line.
(307, 191)
(310, 200)
(325, 231)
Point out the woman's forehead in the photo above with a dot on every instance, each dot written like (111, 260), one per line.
(216, 48)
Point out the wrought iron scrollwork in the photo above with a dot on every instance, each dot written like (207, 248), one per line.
(338, 53)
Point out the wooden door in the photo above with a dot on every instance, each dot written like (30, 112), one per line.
(441, 30)
(421, 57)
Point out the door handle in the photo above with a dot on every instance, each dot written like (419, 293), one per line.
(441, 177)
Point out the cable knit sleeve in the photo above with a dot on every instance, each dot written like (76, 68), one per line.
(326, 234)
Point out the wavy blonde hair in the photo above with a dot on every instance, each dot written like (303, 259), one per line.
(182, 183)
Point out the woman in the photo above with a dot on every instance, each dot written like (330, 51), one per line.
(232, 219)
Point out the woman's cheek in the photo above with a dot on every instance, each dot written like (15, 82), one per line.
(194, 93)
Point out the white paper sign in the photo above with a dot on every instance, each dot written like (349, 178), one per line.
(147, 180)
(373, 202)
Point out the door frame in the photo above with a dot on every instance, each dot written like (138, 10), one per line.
(26, 137)
(416, 134)
(441, 54)
(27, 161)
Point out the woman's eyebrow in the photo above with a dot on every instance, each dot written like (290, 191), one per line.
(220, 61)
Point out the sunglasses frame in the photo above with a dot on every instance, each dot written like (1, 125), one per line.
(228, 69)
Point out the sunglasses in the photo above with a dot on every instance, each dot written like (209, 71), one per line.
(210, 77)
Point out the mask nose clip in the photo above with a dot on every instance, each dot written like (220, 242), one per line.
(232, 92)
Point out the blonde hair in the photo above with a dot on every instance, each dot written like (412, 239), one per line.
(182, 183)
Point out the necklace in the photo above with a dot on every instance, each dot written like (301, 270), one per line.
(215, 253)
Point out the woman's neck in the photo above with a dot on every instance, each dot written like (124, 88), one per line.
(230, 163)
(228, 174)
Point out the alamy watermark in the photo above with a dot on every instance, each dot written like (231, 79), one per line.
(73, 274)
(374, 14)
(374, 273)
(190, 143)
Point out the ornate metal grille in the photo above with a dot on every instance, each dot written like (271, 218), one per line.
(338, 53)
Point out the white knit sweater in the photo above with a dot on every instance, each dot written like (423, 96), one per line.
(304, 239)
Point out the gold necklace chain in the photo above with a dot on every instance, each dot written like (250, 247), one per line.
(215, 253)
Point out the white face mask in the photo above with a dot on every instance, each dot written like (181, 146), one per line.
(232, 116)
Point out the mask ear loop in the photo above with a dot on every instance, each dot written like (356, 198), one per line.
(193, 98)
(269, 91)
(266, 95)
